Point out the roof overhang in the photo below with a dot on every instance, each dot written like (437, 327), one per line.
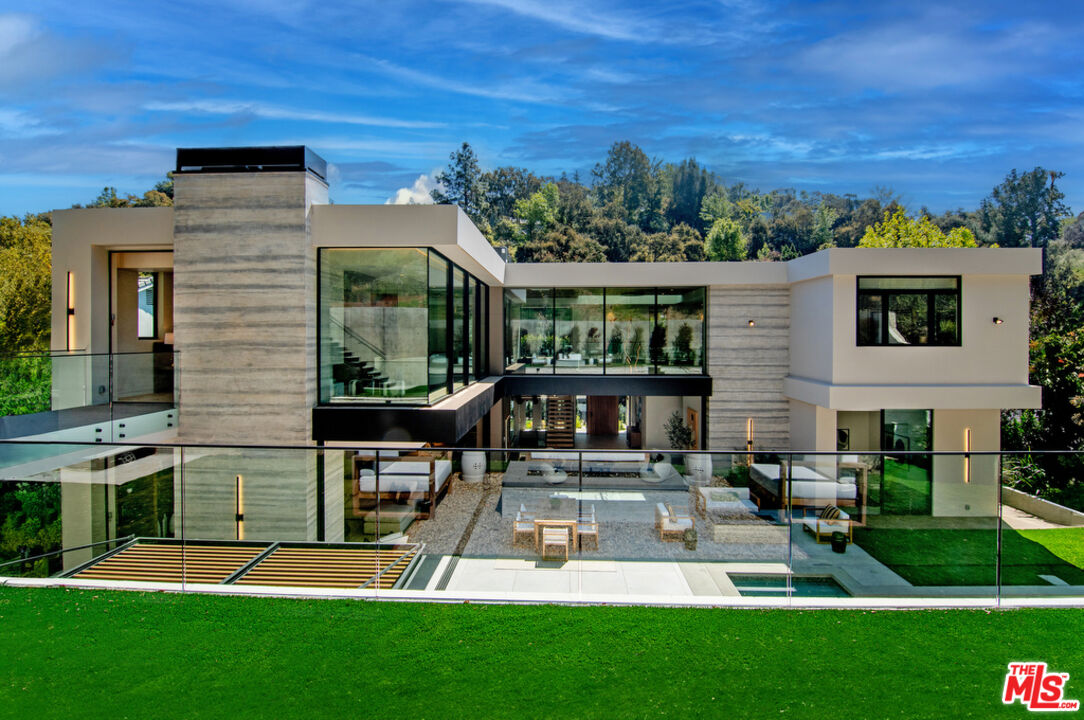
(903, 397)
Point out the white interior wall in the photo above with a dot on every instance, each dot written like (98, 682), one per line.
(656, 412)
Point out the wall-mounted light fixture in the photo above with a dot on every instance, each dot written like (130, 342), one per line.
(998, 321)
(752, 323)
(967, 454)
(240, 517)
(70, 342)
(749, 438)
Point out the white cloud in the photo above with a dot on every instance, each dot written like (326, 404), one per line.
(577, 17)
(15, 30)
(237, 107)
(18, 124)
(416, 194)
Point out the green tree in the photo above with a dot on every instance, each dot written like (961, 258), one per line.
(618, 239)
(823, 220)
(725, 241)
(627, 180)
(659, 247)
(689, 184)
(1025, 210)
(25, 283)
(461, 184)
(715, 206)
(503, 187)
(562, 244)
(899, 231)
(536, 215)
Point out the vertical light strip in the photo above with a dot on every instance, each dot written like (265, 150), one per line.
(70, 342)
(967, 455)
(749, 438)
(240, 508)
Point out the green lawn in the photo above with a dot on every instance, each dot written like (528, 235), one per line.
(77, 654)
(906, 489)
(1066, 543)
(967, 557)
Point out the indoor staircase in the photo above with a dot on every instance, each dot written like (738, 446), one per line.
(359, 377)
(561, 421)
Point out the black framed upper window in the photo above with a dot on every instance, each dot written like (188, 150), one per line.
(908, 311)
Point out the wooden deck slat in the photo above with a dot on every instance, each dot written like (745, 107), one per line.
(172, 563)
(294, 567)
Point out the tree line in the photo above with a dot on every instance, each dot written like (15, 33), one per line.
(645, 210)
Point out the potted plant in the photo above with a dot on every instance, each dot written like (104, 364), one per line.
(839, 542)
(678, 434)
(690, 538)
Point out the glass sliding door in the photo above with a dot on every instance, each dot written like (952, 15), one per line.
(579, 329)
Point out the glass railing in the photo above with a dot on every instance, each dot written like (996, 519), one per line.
(42, 382)
(719, 528)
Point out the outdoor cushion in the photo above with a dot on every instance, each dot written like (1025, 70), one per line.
(830, 512)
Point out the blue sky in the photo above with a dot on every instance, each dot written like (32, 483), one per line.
(937, 101)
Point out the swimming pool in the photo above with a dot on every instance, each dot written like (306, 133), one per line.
(776, 586)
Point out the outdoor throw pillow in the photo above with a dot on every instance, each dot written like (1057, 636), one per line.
(830, 512)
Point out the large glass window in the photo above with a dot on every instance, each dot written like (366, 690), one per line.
(147, 308)
(530, 330)
(438, 326)
(630, 315)
(579, 323)
(908, 311)
(373, 306)
(472, 321)
(394, 325)
(618, 331)
(677, 344)
(459, 316)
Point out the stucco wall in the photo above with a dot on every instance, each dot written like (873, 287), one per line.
(951, 495)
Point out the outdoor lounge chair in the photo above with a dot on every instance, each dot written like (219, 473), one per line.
(830, 520)
(672, 521)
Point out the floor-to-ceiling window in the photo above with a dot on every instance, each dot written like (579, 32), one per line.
(678, 339)
(630, 315)
(618, 331)
(394, 325)
(530, 344)
(579, 321)
(438, 326)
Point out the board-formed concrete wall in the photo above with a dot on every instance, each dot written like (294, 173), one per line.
(747, 365)
(245, 306)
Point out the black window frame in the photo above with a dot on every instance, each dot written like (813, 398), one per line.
(931, 314)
